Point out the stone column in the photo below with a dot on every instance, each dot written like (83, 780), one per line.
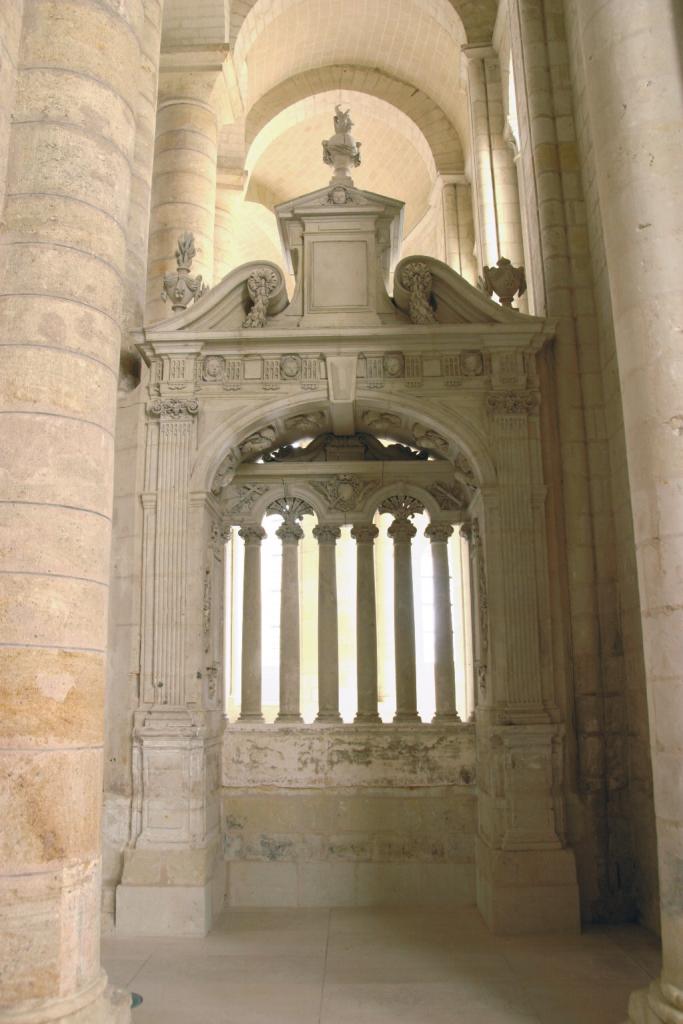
(366, 623)
(496, 198)
(251, 625)
(633, 81)
(402, 532)
(290, 533)
(328, 641)
(61, 295)
(459, 229)
(444, 664)
(193, 102)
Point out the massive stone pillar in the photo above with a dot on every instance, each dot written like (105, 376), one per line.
(496, 197)
(366, 623)
(328, 630)
(636, 114)
(290, 533)
(61, 294)
(444, 663)
(402, 532)
(193, 103)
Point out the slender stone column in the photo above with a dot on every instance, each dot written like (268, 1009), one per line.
(328, 640)
(251, 625)
(366, 623)
(633, 83)
(192, 104)
(459, 229)
(444, 665)
(499, 225)
(402, 532)
(290, 672)
(61, 296)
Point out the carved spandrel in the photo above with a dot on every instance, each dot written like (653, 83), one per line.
(343, 493)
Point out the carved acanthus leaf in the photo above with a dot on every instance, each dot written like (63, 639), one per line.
(262, 284)
(417, 280)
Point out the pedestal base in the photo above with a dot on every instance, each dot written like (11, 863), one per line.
(111, 1006)
(523, 891)
(168, 892)
(650, 1006)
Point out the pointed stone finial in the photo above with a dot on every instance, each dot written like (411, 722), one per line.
(178, 286)
(341, 151)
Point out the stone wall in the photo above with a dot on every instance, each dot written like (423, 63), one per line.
(349, 815)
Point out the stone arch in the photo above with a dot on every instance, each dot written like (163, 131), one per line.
(418, 42)
(225, 439)
(478, 18)
(442, 139)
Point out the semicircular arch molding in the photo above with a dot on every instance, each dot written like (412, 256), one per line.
(414, 41)
(228, 435)
(440, 135)
(477, 17)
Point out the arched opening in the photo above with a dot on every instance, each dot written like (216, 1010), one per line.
(321, 595)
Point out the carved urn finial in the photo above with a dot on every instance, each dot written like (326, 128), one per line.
(505, 280)
(341, 151)
(179, 287)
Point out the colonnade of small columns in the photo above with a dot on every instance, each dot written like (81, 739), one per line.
(401, 531)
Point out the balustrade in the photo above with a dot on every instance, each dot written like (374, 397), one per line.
(402, 531)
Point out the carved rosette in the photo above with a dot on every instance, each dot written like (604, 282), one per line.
(365, 534)
(173, 408)
(417, 280)
(512, 403)
(262, 284)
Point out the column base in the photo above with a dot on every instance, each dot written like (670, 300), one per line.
(524, 891)
(442, 717)
(407, 716)
(286, 718)
(111, 1006)
(367, 719)
(250, 717)
(650, 1006)
(330, 716)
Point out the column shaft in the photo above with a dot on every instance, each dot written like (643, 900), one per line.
(366, 624)
(192, 104)
(402, 531)
(61, 294)
(251, 624)
(459, 230)
(633, 84)
(499, 226)
(290, 669)
(328, 638)
(444, 665)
